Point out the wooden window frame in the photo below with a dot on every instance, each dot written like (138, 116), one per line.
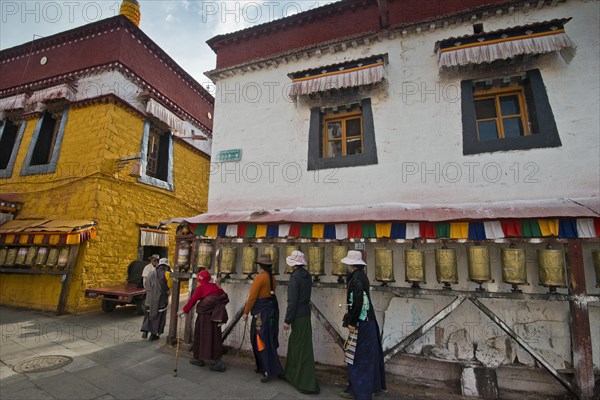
(152, 162)
(496, 93)
(164, 172)
(343, 117)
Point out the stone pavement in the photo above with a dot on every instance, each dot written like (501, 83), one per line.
(111, 361)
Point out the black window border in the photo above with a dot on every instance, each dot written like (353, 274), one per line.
(8, 171)
(368, 157)
(541, 118)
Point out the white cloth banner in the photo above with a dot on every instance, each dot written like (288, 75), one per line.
(153, 107)
(149, 237)
(504, 50)
(284, 230)
(412, 231)
(231, 230)
(585, 228)
(341, 231)
(63, 91)
(13, 102)
(359, 77)
(493, 230)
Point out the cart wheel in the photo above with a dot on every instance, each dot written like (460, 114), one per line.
(108, 306)
(139, 306)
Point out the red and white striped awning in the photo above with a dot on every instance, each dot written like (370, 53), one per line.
(13, 102)
(539, 38)
(63, 91)
(350, 74)
(161, 112)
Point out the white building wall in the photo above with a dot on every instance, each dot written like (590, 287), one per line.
(418, 129)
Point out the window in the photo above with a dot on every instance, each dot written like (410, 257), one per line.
(507, 113)
(342, 137)
(10, 138)
(157, 156)
(44, 148)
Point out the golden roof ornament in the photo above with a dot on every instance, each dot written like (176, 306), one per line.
(131, 9)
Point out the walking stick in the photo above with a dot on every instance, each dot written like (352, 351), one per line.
(177, 350)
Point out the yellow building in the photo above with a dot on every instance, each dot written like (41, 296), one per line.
(102, 135)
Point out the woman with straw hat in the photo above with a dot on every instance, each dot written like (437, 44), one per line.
(300, 365)
(366, 373)
(264, 328)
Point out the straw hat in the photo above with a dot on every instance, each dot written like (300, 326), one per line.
(265, 259)
(154, 256)
(353, 258)
(295, 259)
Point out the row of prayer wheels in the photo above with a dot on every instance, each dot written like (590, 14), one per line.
(34, 256)
(514, 269)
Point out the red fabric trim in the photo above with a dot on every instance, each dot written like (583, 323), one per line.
(295, 230)
(597, 226)
(241, 230)
(511, 227)
(427, 230)
(355, 230)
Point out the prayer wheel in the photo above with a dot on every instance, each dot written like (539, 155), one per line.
(274, 253)
(552, 268)
(249, 255)
(514, 269)
(446, 266)
(384, 265)
(30, 258)
(478, 261)
(316, 261)
(183, 255)
(3, 254)
(11, 256)
(288, 252)
(596, 257)
(21, 256)
(338, 268)
(414, 266)
(52, 257)
(204, 253)
(42, 256)
(228, 255)
(63, 257)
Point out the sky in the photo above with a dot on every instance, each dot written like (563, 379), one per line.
(179, 27)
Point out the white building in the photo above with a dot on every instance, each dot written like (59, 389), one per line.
(379, 125)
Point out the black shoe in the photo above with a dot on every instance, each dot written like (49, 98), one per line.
(218, 366)
(266, 378)
(154, 337)
(199, 363)
(144, 335)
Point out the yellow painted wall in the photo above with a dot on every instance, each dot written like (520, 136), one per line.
(86, 185)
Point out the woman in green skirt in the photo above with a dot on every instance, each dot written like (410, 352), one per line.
(300, 366)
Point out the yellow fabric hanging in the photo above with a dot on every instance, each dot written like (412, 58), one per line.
(549, 227)
(383, 230)
(318, 231)
(459, 230)
(212, 230)
(261, 231)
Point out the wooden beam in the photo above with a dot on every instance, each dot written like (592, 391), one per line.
(523, 343)
(581, 340)
(233, 323)
(417, 333)
(328, 327)
(384, 20)
(66, 279)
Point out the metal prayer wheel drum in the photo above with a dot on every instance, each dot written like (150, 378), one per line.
(63, 257)
(3, 254)
(478, 260)
(414, 263)
(42, 256)
(273, 252)
(11, 256)
(384, 265)
(204, 253)
(316, 261)
(30, 257)
(228, 256)
(183, 254)
(446, 267)
(338, 268)
(249, 255)
(514, 269)
(52, 257)
(21, 256)
(552, 268)
(288, 252)
(596, 258)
